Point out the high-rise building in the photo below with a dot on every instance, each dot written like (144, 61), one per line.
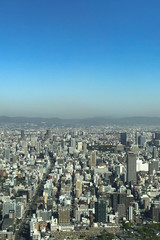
(157, 136)
(19, 209)
(93, 159)
(22, 134)
(73, 143)
(123, 138)
(42, 135)
(84, 146)
(8, 205)
(154, 152)
(7, 154)
(130, 213)
(121, 209)
(155, 211)
(38, 147)
(78, 187)
(48, 133)
(117, 199)
(153, 166)
(63, 215)
(142, 140)
(79, 146)
(136, 138)
(100, 211)
(131, 167)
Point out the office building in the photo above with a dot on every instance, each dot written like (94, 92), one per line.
(8, 205)
(130, 213)
(73, 143)
(48, 133)
(93, 159)
(79, 146)
(78, 187)
(153, 166)
(155, 212)
(22, 134)
(19, 209)
(157, 136)
(131, 167)
(7, 154)
(136, 138)
(154, 153)
(142, 140)
(63, 215)
(123, 138)
(100, 211)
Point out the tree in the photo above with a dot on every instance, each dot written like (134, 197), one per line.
(127, 225)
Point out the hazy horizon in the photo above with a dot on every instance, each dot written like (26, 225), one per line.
(80, 118)
(79, 59)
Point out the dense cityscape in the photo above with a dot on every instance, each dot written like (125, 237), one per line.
(97, 182)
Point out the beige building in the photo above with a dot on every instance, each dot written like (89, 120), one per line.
(63, 215)
(93, 159)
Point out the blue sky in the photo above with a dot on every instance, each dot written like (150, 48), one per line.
(67, 58)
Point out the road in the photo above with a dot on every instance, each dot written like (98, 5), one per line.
(29, 208)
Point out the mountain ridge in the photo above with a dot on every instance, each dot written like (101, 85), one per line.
(137, 120)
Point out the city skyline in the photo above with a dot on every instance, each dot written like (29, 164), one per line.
(79, 59)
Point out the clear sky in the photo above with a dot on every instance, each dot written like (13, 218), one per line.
(79, 58)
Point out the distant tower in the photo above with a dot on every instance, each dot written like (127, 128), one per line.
(131, 167)
(142, 140)
(73, 143)
(84, 146)
(93, 159)
(22, 134)
(42, 135)
(154, 153)
(136, 138)
(123, 138)
(48, 133)
(157, 135)
(7, 154)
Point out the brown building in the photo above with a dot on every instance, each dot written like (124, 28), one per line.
(63, 215)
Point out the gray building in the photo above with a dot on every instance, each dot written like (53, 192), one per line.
(153, 166)
(8, 205)
(154, 152)
(131, 167)
(142, 140)
(19, 209)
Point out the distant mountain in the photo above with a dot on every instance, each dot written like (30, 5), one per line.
(55, 121)
(82, 122)
(155, 121)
